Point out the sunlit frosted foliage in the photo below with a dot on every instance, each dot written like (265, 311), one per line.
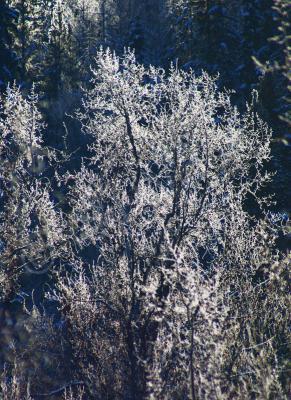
(178, 258)
(31, 228)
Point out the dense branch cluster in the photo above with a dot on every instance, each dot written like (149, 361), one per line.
(163, 285)
(31, 228)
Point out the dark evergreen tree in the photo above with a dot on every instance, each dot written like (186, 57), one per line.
(28, 31)
(8, 62)
(39, 24)
(283, 41)
(21, 39)
(257, 20)
(57, 48)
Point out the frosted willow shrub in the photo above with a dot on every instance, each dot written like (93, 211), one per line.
(30, 227)
(162, 201)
